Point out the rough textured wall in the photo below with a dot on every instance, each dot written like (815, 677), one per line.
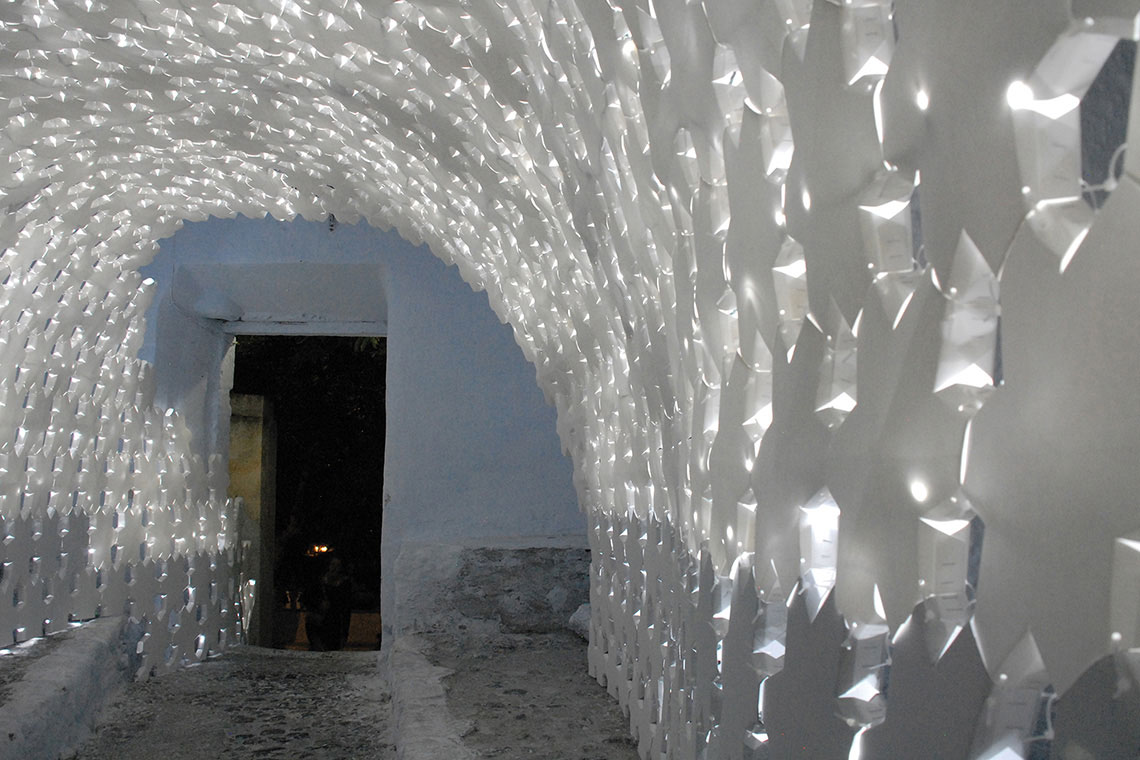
(827, 313)
(531, 584)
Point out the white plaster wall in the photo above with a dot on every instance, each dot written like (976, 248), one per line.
(471, 454)
(471, 449)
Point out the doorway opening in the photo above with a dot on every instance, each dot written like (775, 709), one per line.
(323, 406)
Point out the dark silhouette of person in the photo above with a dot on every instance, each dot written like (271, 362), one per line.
(316, 610)
(337, 586)
(328, 608)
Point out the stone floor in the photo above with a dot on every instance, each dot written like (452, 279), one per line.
(517, 695)
(529, 695)
(252, 703)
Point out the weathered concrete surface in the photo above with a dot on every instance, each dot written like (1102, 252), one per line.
(425, 727)
(471, 695)
(530, 696)
(484, 665)
(252, 703)
(526, 585)
(52, 689)
(579, 622)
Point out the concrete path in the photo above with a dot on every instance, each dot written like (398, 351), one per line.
(253, 703)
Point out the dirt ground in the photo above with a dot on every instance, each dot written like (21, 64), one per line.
(528, 695)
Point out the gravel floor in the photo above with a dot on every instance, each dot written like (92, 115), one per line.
(252, 703)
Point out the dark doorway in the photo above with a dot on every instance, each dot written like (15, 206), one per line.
(328, 399)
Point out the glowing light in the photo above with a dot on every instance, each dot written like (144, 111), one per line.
(796, 269)
(919, 491)
(922, 100)
(1019, 95)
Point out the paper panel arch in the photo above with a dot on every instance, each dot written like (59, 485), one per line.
(836, 302)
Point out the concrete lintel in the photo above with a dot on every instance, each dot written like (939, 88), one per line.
(371, 329)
